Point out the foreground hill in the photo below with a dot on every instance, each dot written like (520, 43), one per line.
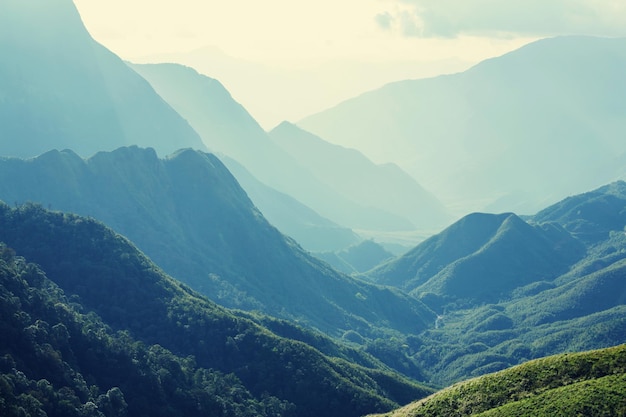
(61, 89)
(592, 384)
(493, 137)
(190, 216)
(103, 331)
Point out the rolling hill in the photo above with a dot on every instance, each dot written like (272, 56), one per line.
(61, 89)
(592, 384)
(513, 133)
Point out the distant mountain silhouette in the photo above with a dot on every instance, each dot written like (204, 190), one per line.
(227, 128)
(61, 89)
(357, 258)
(483, 258)
(312, 231)
(513, 133)
(190, 215)
(350, 173)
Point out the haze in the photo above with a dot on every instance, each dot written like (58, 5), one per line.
(284, 60)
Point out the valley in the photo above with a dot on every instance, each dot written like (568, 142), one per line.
(162, 254)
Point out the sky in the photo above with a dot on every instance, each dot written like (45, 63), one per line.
(286, 59)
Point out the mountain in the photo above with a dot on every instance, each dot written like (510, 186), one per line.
(357, 258)
(590, 216)
(513, 133)
(483, 258)
(95, 328)
(61, 89)
(559, 276)
(312, 231)
(227, 128)
(386, 186)
(189, 214)
(591, 384)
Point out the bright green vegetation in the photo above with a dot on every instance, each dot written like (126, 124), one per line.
(141, 341)
(582, 384)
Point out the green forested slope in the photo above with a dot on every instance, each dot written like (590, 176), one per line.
(142, 310)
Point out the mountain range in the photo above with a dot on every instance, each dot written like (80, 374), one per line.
(507, 290)
(513, 133)
(108, 189)
(227, 128)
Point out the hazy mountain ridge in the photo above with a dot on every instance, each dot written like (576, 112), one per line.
(189, 214)
(308, 228)
(495, 135)
(103, 273)
(357, 258)
(232, 131)
(61, 89)
(350, 173)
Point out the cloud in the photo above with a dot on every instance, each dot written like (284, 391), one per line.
(452, 18)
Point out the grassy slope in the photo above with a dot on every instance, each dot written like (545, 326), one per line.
(590, 383)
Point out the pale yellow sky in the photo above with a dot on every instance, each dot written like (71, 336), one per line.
(286, 59)
(275, 32)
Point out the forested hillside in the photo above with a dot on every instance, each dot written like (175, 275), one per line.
(104, 327)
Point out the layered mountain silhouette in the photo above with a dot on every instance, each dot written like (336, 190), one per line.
(312, 231)
(95, 310)
(513, 133)
(61, 89)
(357, 258)
(227, 128)
(189, 214)
(351, 174)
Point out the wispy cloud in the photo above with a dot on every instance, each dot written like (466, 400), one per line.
(452, 18)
